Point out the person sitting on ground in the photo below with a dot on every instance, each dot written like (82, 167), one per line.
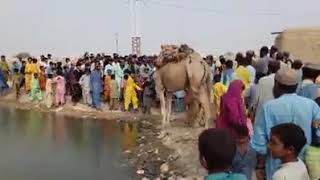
(245, 159)
(216, 151)
(286, 142)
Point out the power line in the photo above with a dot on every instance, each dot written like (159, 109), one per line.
(178, 6)
(207, 10)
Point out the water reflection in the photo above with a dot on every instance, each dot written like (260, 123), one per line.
(129, 135)
(47, 146)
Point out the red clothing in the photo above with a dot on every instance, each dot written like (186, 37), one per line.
(106, 88)
(42, 81)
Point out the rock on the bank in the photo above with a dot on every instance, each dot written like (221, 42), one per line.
(164, 168)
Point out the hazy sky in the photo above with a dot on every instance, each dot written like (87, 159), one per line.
(70, 27)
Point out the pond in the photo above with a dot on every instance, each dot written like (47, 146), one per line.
(46, 146)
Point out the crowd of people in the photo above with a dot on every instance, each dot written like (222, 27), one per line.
(266, 108)
(119, 81)
(280, 97)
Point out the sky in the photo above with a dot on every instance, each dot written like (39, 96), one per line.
(71, 27)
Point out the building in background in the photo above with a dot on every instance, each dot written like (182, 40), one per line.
(301, 43)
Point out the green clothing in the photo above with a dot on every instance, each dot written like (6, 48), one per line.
(114, 93)
(35, 90)
(225, 176)
(312, 158)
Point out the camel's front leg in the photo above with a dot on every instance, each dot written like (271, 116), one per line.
(163, 108)
(168, 106)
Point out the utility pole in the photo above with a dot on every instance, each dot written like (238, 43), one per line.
(135, 38)
(117, 42)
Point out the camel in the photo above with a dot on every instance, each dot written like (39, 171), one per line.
(181, 68)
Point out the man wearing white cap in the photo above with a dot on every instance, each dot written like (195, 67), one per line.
(287, 107)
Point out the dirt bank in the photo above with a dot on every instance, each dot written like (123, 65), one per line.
(80, 110)
(174, 156)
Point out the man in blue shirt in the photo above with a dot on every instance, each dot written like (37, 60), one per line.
(286, 108)
(262, 63)
(308, 88)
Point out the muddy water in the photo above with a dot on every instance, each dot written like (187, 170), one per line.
(38, 146)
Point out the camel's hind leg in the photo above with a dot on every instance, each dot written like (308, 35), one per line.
(205, 105)
(163, 108)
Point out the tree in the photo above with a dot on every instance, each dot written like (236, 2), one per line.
(23, 55)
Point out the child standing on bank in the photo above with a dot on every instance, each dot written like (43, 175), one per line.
(84, 82)
(60, 88)
(130, 95)
(217, 149)
(148, 96)
(286, 142)
(16, 81)
(42, 78)
(106, 86)
(35, 93)
(114, 93)
(49, 92)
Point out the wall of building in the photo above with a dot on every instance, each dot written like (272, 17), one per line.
(303, 44)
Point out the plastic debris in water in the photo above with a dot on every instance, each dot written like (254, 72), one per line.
(140, 171)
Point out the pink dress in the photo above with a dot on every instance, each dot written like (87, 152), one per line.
(232, 110)
(60, 90)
